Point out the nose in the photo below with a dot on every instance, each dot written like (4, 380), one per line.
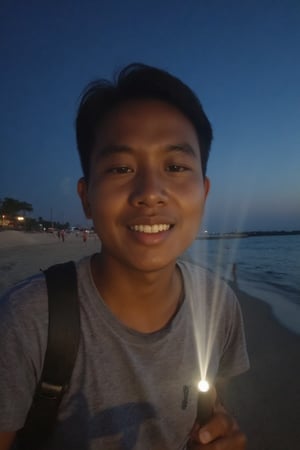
(149, 189)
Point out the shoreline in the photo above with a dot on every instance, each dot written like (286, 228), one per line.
(264, 399)
(246, 234)
(285, 312)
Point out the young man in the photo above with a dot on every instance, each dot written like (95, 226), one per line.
(145, 315)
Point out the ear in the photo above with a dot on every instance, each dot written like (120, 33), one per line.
(82, 190)
(206, 186)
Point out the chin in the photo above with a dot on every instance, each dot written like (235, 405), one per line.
(153, 265)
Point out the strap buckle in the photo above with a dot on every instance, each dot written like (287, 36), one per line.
(51, 391)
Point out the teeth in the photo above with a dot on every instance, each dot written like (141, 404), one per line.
(150, 228)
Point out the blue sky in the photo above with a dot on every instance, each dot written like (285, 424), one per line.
(241, 58)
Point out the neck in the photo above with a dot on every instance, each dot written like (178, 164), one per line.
(142, 301)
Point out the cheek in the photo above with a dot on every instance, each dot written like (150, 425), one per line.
(105, 205)
(194, 198)
(194, 214)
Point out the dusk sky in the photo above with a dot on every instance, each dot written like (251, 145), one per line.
(242, 59)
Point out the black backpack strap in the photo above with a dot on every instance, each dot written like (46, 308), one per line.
(62, 347)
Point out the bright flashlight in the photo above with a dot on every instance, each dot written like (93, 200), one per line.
(205, 402)
(203, 386)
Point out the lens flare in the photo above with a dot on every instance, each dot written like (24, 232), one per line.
(203, 386)
(207, 299)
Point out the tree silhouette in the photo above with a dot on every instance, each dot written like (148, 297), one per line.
(11, 206)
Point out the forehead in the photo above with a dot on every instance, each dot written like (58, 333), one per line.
(148, 120)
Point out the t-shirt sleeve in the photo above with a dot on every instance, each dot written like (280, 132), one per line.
(234, 357)
(23, 334)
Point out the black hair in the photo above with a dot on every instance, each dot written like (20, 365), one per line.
(137, 81)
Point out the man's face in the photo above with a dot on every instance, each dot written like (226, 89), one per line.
(146, 191)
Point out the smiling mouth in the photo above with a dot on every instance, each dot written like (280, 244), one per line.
(151, 229)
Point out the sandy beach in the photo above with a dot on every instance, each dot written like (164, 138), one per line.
(266, 400)
(24, 254)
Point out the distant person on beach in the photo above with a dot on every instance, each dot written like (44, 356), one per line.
(143, 143)
(84, 236)
(234, 274)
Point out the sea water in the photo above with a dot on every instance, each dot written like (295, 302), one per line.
(267, 267)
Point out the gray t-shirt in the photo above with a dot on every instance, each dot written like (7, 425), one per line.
(129, 390)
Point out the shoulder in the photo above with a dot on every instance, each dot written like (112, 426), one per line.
(24, 329)
(27, 295)
(200, 280)
(86, 287)
(213, 303)
(215, 311)
(83, 268)
(24, 314)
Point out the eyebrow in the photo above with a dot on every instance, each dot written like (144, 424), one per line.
(111, 149)
(184, 148)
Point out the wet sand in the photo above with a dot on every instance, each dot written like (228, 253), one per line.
(266, 399)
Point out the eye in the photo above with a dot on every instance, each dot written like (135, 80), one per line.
(120, 170)
(176, 168)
